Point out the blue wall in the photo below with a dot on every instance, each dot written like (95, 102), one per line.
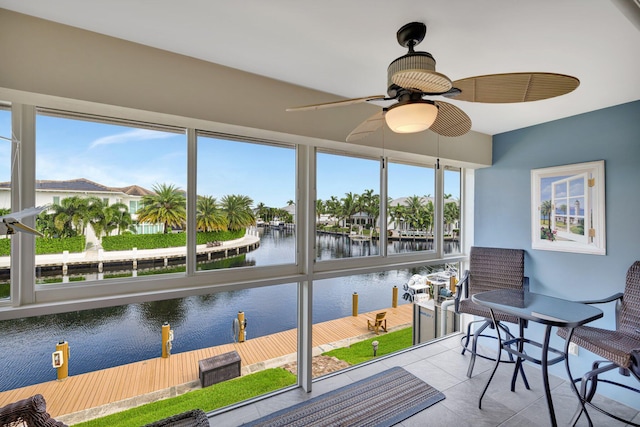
(503, 210)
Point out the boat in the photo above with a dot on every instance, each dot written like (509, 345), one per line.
(276, 223)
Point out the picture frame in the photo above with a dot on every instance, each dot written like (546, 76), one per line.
(568, 208)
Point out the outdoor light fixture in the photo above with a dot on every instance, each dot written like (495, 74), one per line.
(375, 347)
(410, 117)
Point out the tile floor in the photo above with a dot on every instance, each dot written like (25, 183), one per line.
(441, 365)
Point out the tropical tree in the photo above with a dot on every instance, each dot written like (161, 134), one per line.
(209, 215)
(414, 206)
(98, 215)
(68, 218)
(451, 213)
(366, 204)
(319, 208)
(262, 211)
(545, 211)
(398, 213)
(334, 208)
(237, 208)
(167, 206)
(349, 206)
(120, 218)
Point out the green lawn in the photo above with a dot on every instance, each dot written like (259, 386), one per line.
(207, 399)
(246, 387)
(363, 351)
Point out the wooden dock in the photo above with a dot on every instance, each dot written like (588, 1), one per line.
(95, 389)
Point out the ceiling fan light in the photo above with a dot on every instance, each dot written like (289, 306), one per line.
(412, 117)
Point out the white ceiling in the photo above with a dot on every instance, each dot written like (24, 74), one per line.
(344, 47)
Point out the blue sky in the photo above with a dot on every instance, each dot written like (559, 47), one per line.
(119, 156)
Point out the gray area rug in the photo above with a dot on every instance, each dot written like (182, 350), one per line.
(381, 400)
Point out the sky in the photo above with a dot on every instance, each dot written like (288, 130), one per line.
(119, 156)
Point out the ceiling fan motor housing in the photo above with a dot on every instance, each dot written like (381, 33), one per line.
(416, 71)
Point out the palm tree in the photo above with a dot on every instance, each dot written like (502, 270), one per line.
(238, 211)
(333, 207)
(262, 211)
(290, 202)
(451, 213)
(319, 208)
(414, 206)
(67, 219)
(545, 211)
(209, 215)
(367, 204)
(120, 218)
(166, 206)
(349, 206)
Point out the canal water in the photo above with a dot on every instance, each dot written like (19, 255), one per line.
(108, 337)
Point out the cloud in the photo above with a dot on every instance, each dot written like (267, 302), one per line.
(131, 136)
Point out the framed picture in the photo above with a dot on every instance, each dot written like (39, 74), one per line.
(567, 208)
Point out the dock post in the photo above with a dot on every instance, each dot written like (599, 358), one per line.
(394, 297)
(166, 340)
(61, 360)
(354, 311)
(242, 331)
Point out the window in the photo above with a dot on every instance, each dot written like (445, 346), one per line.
(246, 212)
(109, 175)
(347, 206)
(134, 205)
(81, 158)
(410, 208)
(133, 333)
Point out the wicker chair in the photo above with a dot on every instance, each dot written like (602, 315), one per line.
(620, 347)
(30, 412)
(193, 418)
(489, 269)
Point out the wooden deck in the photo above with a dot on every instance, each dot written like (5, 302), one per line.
(94, 389)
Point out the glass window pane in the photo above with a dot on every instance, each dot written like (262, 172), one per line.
(410, 208)
(90, 172)
(5, 199)
(347, 207)
(336, 300)
(246, 200)
(451, 211)
(203, 326)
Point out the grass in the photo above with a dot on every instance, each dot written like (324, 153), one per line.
(246, 387)
(363, 351)
(207, 399)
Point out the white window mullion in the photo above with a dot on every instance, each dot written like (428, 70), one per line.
(438, 219)
(192, 200)
(23, 195)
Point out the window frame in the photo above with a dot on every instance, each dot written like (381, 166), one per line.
(65, 297)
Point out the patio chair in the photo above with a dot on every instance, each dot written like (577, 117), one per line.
(620, 347)
(30, 412)
(193, 418)
(490, 269)
(379, 323)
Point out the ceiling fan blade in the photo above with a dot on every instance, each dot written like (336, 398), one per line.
(451, 121)
(514, 87)
(339, 103)
(367, 127)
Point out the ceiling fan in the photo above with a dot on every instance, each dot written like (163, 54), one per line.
(412, 80)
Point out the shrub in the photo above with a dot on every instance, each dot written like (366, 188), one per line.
(127, 242)
(49, 245)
